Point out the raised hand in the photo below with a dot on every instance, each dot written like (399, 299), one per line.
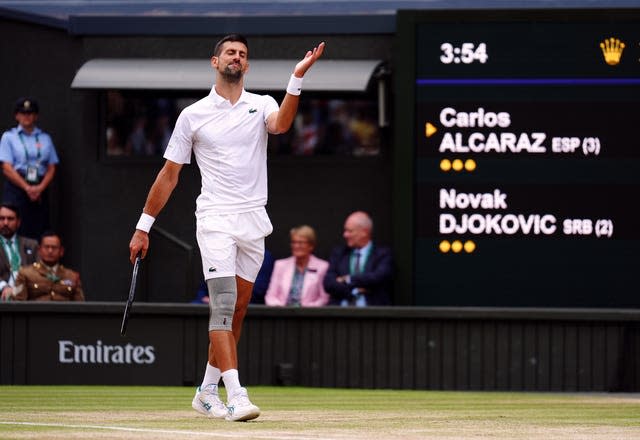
(308, 60)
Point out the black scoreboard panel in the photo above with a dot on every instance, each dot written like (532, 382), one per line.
(525, 156)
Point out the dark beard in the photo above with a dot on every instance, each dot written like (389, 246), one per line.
(232, 76)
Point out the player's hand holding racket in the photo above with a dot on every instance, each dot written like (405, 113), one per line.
(138, 245)
(138, 250)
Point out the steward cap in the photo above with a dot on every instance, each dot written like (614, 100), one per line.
(26, 105)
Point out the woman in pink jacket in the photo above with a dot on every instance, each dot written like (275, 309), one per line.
(297, 280)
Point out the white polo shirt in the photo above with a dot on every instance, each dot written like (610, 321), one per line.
(230, 146)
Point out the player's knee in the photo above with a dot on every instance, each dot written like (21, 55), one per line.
(222, 302)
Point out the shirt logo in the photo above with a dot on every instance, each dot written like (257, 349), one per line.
(253, 110)
(212, 269)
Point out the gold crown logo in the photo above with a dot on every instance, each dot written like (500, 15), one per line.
(612, 50)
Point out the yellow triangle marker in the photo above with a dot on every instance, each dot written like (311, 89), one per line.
(429, 129)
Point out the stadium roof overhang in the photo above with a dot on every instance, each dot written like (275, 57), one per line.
(191, 74)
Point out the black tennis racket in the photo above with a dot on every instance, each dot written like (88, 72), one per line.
(132, 293)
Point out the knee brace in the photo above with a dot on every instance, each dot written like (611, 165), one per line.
(222, 302)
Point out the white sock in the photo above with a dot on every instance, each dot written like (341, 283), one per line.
(211, 376)
(231, 381)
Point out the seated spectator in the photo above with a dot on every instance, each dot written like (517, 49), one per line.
(297, 280)
(16, 250)
(360, 273)
(259, 287)
(47, 279)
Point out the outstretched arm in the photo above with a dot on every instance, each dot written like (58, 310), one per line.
(159, 193)
(280, 121)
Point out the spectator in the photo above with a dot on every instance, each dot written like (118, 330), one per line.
(29, 162)
(47, 279)
(17, 250)
(360, 273)
(297, 280)
(259, 287)
(261, 284)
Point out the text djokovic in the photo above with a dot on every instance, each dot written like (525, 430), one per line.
(508, 224)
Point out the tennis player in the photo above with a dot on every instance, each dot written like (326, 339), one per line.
(227, 132)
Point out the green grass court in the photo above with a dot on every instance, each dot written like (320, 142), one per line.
(119, 412)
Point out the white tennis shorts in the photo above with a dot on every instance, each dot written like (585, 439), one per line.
(233, 244)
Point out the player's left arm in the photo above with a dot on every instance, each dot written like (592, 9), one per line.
(280, 121)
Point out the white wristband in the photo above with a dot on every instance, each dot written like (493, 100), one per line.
(295, 86)
(145, 222)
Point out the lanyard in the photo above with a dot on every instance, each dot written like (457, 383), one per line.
(26, 151)
(13, 254)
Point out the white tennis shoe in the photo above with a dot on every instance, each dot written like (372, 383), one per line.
(207, 402)
(240, 407)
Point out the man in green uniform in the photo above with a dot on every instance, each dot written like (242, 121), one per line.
(47, 279)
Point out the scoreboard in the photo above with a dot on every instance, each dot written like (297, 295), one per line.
(520, 135)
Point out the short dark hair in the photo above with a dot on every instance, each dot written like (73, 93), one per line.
(49, 233)
(231, 37)
(12, 207)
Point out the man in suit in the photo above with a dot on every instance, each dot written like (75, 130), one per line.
(360, 273)
(16, 250)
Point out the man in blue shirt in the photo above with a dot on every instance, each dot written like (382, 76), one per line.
(29, 161)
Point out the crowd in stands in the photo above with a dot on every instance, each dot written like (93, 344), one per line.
(31, 270)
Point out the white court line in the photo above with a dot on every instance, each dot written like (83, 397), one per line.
(167, 431)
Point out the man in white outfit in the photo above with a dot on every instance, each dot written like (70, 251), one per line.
(227, 132)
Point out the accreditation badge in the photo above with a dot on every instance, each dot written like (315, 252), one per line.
(32, 174)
